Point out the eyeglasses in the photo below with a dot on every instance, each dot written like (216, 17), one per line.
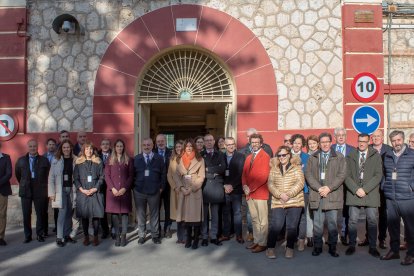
(363, 141)
(282, 155)
(285, 141)
(229, 145)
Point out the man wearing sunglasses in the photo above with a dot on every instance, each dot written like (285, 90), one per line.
(325, 174)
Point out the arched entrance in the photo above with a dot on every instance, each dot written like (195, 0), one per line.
(190, 27)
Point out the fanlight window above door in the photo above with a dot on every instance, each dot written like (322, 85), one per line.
(185, 75)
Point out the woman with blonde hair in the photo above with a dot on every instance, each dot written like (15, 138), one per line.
(285, 183)
(119, 176)
(88, 176)
(189, 179)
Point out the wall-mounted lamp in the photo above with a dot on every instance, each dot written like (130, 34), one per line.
(68, 24)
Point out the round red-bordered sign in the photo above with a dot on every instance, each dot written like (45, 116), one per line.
(365, 87)
(8, 126)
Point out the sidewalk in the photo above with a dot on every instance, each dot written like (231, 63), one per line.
(171, 259)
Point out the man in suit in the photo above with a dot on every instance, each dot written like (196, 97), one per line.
(50, 154)
(213, 192)
(233, 190)
(104, 153)
(81, 139)
(5, 191)
(342, 147)
(150, 176)
(32, 172)
(165, 153)
(256, 171)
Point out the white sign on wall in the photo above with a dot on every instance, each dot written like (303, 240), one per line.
(186, 24)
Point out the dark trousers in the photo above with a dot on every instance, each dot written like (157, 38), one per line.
(279, 217)
(396, 210)
(165, 199)
(214, 209)
(117, 219)
(153, 202)
(104, 221)
(319, 217)
(41, 214)
(233, 202)
(371, 214)
(95, 225)
(55, 216)
(382, 218)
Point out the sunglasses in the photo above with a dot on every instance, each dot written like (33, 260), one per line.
(282, 155)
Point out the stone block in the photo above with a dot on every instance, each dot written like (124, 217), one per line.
(319, 120)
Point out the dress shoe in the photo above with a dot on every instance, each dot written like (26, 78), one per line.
(289, 253)
(332, 251)
(123, 240)
(40, 239)
(239, 239)
(364, 243)
(251, 246)
(156, 240)
(118, 240)
(390, 256)
(27, 240)
(141, 241)
(204, 242)
(316, 251)
(382, 245)
(216, 242)
(68, 239)
(374, 252)
(403, 246)
(259, 248)
(3, 242)
(301, 244)
(408, 260)
(195, 244)
(95, 241)
(224, 238)
(344, 241)
(270, 253)
(86, 241)
(60, 243)
(250, 237)
(309, 242)
(350, 250)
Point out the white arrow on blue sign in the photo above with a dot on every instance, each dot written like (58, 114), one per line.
(366, 119)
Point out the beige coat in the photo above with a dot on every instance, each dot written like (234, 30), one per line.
(172, 170)
(55, 182)
(291, 183)
(190, 207)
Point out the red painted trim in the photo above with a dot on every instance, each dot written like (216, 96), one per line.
(399, 89)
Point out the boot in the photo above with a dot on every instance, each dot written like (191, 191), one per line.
(196, 237)
(95, 240)
(289, 253)
(309, 242)
(117, 240)
(168, 233)
(86, 241)
(301, 244)
(123, 240)
(189, 238)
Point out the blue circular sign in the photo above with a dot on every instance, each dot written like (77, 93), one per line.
(366, 119)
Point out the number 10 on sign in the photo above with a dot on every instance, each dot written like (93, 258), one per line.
(365, 87)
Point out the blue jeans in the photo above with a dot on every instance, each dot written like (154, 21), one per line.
(64, 221)
(278, 218)
(233, 201)
(319, 217)
(372, 225)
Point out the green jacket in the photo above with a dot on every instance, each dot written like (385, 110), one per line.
(370, 182)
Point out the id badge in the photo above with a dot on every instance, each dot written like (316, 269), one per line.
(394, 176)
(361, 176)
(65, 177)
(227, 173)
(89, 178)
(187, 176)
(322, 176)
(33, 175)
(146, 173)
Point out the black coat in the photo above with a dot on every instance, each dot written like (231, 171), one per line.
(246, 150)
(151, 184)
(167, 155)
(235, 172)
(89, 206)
(5, 175)
(23, 175)
(213, 190)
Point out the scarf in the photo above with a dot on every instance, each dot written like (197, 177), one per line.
(187, 158)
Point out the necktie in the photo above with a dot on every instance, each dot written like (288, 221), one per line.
(32, 161)
(361, 162)
(105, 156)
(251, 160)
(147, 159)
(161, 152)
(340, 149)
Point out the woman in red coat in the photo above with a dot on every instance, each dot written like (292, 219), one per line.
(119, 176)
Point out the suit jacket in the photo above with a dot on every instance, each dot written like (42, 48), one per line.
(235, 172)
(213, 191)
(32, 188)
(167, 155)
(348, 149)
(5, 174)
(156, 179)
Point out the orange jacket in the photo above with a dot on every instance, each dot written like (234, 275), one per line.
(256, 176)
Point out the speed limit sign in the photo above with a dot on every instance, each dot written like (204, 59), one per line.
(365, 87)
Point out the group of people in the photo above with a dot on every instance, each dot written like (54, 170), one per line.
(203, 184)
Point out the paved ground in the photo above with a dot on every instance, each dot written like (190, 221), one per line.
(170, 259)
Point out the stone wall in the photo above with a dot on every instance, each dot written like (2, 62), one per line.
(303, 40)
